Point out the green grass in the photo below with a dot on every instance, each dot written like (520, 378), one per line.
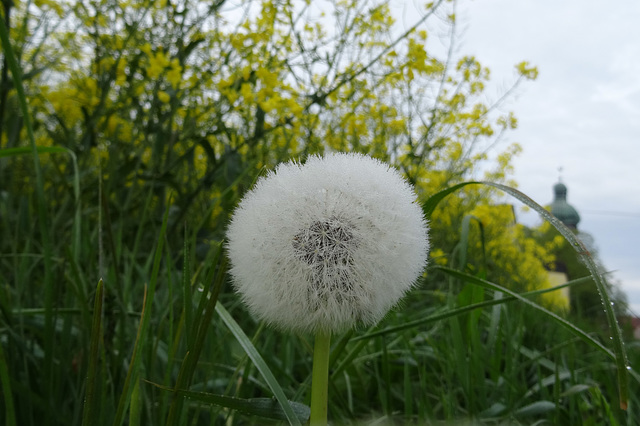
(175, 346)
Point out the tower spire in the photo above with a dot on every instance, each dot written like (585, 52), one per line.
(560, 208)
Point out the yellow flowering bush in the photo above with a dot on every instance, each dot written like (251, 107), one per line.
(193, 102)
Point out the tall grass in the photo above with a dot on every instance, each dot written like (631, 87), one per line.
(188, 353)
(142, 328)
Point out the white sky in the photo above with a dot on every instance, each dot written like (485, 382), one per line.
(583, 112)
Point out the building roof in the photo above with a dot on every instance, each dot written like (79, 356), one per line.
(563, 210)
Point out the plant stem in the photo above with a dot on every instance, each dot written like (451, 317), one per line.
(320, 379)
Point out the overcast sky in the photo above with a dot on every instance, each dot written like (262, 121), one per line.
(582, 114)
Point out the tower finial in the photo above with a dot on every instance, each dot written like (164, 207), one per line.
(560, 208)
(560, 173)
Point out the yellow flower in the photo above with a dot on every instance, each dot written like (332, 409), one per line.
(246, 92)
(164, 96)
(174, 76)
(438, 256)
(157, 64)
(121, 75)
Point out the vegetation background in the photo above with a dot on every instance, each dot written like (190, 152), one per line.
(146, 123)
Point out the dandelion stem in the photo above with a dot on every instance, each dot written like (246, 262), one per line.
(320, 379)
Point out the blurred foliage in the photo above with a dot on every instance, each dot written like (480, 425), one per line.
(585, 302)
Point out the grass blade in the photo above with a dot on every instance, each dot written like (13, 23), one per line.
(135, 412)
(216, 259)
(77, 222)
(91, 410)
(134, 366)
(575, 330)
(350, 356)
(141, 337)
(261, 407)
(203, 319)
(259, 362)
(430, 205)
(10, 412)
(535, 409)
(16, 73)
(26, 150)
(621, 360)
(464, 309)
(186, 290)
(619, 351)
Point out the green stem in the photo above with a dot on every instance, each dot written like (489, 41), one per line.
(320, 379)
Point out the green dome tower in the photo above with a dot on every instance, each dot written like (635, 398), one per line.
(563, 210)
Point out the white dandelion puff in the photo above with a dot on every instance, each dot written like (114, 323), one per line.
(327, 245)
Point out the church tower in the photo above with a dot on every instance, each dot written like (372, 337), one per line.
(563, 210)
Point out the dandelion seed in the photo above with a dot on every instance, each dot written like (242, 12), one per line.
(327, 245)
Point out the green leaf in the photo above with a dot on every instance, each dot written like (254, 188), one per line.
(186, 291)
(10, 413)
(495, 410)
(430, 205)
(259, 362)
(135, 410)
(261, 407)
(537, 408)
(91, 410)
(576, 389)
(464, 241)
(26, 150)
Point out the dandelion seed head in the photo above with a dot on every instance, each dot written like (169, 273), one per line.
(328, 244)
